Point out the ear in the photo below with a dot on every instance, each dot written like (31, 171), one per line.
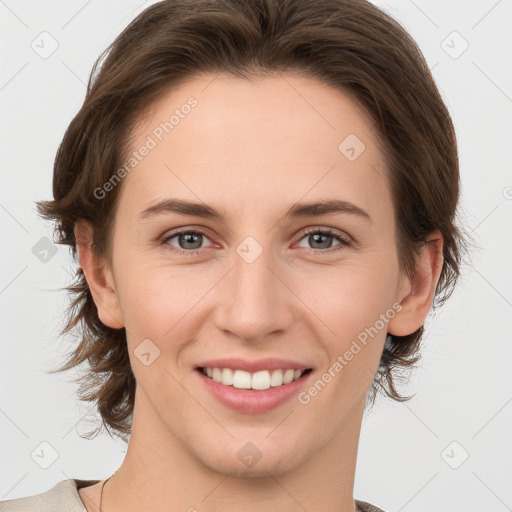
(99, 277)
(421, 287)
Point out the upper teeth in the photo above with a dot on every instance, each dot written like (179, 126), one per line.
(259, 380)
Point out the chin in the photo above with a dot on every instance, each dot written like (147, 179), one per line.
(262, 469)
(249, 462)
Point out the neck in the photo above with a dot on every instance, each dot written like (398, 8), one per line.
(160, 472)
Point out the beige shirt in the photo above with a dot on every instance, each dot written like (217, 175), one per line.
(64, 497)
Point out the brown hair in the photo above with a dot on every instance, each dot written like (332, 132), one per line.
(350, 45)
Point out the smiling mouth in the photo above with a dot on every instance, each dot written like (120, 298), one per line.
(256, 381)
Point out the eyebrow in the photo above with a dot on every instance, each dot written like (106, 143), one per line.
(322, 207)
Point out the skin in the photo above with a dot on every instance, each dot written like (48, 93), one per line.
(251, 148)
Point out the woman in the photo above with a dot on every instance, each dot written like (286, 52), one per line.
(261, 195)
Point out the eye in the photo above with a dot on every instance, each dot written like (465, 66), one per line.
(322, 239)
(188, 241)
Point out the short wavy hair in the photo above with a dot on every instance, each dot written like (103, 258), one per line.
(350, 45)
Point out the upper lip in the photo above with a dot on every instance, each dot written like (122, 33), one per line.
(270, 363)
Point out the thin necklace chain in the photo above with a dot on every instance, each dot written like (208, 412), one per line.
(102, 486)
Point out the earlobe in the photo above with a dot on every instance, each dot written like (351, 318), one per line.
(417, 303)
(99, 277)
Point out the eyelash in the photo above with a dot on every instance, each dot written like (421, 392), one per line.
(344, 242)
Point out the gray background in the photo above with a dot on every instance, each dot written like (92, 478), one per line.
(412, 455)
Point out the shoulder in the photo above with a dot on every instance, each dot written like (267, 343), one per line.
(364, 506)
(62, 497)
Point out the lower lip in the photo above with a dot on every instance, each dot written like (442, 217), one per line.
(253, 402)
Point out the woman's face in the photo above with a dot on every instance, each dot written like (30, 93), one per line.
(256, 283)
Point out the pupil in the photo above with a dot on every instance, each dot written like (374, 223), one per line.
(316, 236)
(189, 239)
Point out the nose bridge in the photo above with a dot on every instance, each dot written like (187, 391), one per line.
(252, 279)
(251, 267)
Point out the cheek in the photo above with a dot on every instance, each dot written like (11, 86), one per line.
(347, 298)
(352, 334)
(150, 297)
(349, 304)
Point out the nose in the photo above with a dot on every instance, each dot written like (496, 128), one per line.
(255, 300)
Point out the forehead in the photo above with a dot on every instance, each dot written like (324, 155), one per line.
(266, 142)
